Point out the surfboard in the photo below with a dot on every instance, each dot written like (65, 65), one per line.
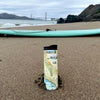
(43, 33)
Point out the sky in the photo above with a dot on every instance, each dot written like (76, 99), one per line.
(54, 8)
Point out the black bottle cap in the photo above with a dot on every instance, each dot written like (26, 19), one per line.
(51, 47)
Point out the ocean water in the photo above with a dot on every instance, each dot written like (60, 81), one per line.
(6, 23)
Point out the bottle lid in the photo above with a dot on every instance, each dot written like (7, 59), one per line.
(51, 47)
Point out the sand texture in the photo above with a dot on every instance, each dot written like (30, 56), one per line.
(21, 62)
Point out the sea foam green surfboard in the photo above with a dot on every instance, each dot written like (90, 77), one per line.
(42, 33)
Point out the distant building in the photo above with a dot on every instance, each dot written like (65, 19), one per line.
(53, 19)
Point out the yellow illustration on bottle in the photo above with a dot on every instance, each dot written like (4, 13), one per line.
(50, 68)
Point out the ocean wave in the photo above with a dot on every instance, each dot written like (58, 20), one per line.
(8, 25)
(25, 25)
(21, 24)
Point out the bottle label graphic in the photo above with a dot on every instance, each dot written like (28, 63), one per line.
(50, 67)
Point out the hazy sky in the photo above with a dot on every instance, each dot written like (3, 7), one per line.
(54, 8)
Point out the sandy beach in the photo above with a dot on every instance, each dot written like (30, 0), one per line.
(21, 62)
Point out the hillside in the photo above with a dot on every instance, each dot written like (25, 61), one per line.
(91, 13)
(12, 16)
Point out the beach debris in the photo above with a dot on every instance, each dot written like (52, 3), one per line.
(0, 60)
(48, 29)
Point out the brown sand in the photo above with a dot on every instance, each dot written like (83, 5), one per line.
(21, 62)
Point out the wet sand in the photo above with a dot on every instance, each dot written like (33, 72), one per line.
(21, 62)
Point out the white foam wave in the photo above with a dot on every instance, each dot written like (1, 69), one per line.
(25, 25)
(19, 23)
(8, 25)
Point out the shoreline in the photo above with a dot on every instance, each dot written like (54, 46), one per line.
(5, 23)
(24, 26)
(67, 26)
